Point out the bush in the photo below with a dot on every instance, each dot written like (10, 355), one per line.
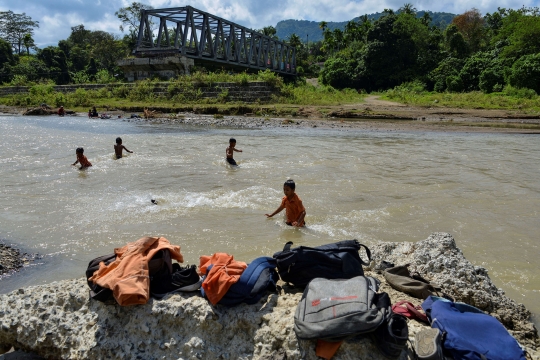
(142, 90)
(270, 77)
(454, 83)
(525, 73)
(491, 80)
(520, 93)
(19, 80)
(103, 77)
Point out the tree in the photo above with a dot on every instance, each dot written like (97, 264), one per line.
(268, 31)
(28, 42)
(6, 53)
(55, 60)
(130, 16)
(471, 25)
(525, 73)
(14, 27)
(294, 40)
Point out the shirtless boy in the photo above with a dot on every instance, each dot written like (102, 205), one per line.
(294, 209)
(119, 147)
(229, 151)
(81, 159)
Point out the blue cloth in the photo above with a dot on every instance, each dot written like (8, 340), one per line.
(470, 333)
(259, 277)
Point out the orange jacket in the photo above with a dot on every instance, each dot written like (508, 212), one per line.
(224, 273)
(128, 275)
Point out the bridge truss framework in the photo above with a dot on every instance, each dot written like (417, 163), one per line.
(202, 36)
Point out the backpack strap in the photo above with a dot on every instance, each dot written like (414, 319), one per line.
(368, 253)
(287, 246)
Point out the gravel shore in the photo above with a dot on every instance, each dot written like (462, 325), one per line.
(11, 259)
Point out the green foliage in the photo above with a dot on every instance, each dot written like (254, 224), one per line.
(492, 79)
(142, 91)
(19, 80)
(525, 73)
(80, 77)
(103, 77)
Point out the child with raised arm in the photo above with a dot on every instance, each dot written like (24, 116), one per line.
(119, 147)
(294, 210)
(229, 151)
(81, 159)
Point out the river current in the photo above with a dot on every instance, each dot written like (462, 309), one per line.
(484, 189)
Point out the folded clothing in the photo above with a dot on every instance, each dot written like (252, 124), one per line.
(220, 272)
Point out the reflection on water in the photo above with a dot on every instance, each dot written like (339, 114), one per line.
(482, 188)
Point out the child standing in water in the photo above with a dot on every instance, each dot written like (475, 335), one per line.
(229, 151)
(294, 210)
(81, 159)
(119, 147)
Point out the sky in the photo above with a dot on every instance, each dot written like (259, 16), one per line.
(56, 17)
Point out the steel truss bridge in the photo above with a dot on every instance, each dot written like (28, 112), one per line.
(212, 40)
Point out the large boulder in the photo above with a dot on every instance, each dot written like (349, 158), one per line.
(59, 320)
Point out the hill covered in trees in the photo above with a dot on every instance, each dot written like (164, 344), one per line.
(285, 28)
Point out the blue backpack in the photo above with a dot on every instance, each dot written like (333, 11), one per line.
(259, 277)
(469, 333)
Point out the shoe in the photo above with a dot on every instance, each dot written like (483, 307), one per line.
(391, 336)
(182, 279)
(428, 344)
(186, 279)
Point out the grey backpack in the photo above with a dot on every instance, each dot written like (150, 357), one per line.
(336, 309)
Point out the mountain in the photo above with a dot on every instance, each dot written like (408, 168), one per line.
(302, 28)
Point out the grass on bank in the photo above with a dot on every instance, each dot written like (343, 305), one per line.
(509, 98)
(185, 94)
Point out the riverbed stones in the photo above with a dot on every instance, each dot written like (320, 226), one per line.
(11, 259)
(58, 320)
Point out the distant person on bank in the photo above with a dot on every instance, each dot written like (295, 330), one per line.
(92, 113)
(294, 209)
(81, 159)
(61, 111)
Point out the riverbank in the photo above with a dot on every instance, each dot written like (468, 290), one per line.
(372, 114)
(59, 321)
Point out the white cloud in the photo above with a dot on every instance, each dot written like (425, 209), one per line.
(56, 17)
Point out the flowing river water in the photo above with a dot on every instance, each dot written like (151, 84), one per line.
(484, 189)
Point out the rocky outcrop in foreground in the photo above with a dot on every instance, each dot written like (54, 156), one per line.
(59, 321)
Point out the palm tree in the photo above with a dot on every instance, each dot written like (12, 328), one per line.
(28, 42)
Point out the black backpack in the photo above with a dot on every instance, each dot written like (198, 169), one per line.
(340, 260)
(159, 268)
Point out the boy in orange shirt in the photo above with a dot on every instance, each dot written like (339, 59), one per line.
(295, 211)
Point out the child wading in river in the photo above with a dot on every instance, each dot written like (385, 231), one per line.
(295, 211)
(229, 151)
(81, 159)
(119, 147)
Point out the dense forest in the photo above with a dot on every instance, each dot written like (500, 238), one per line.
(310, 30)
(474, 52)
(489, 52)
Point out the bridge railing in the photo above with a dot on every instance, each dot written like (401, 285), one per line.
(197, 34)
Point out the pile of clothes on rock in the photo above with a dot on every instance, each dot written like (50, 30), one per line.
(339, 302)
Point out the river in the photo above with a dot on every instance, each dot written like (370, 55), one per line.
(484, 189)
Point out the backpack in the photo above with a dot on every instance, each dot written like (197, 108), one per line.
(469, 333)
(159, 269)
(259, 277)
(336, 309)
(339, 260)
(98, 292)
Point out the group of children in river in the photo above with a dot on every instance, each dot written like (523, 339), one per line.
(294, 209)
